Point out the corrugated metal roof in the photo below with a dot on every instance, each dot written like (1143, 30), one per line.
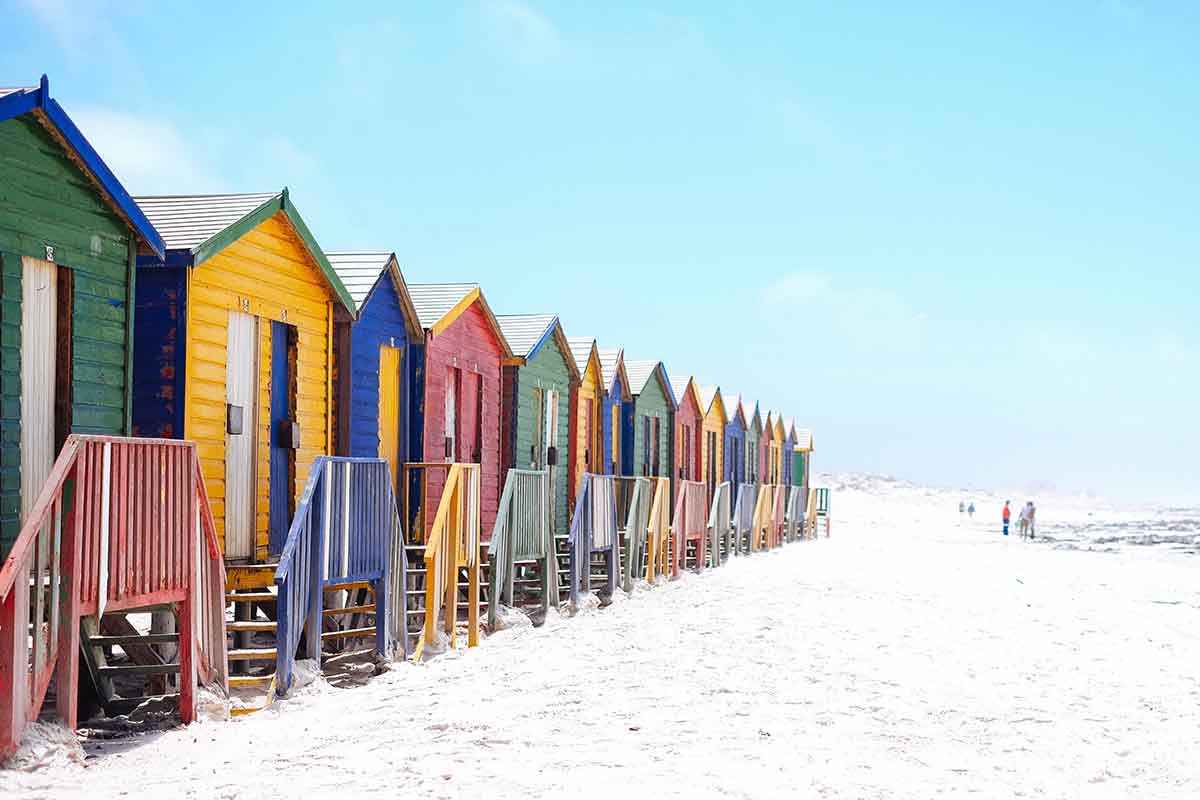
(610, 357)
(581, 351)
(524, 331)
(639, 374)
(804, 439)
(707, 395)
(435, 300)
(732, 402)
(188, 221)
(7, 90)
(679, 386)
(359, 271)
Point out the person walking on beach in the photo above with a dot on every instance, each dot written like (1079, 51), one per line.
(961, 507)
(1032, 511)
(1006, 515)
(1024, 518)
(971, 510)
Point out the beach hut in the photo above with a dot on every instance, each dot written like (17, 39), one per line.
(650, 438)
(460, 402)
(234, 352)
(801, 458)
(712, 441)
(378, 356)
(735, 441)
(688, 415)
(538, 381)
(754, 428)
(587, 421)
(69, 236)
(789, 446)
(617, 411)
(766, 474)
(778, 438)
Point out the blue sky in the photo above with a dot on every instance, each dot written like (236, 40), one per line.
(961, 244)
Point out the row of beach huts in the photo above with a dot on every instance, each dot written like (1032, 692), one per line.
(226, 448)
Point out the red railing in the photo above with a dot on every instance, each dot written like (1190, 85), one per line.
(120, 524)
(689, 523)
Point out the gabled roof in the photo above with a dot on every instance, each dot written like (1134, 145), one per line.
(754, 417)
(789, 430)
(361, 271)
(734, 409)
(527, 334)
(199, 226)
(612, 368)
(685, 385)
(640, 373)
(21, 100)
(583, 348)
(709, 395)
(804, 440)
(438, 305)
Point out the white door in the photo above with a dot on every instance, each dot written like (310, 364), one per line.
(39, 335)
(451, 417)
(241, 392)
(551, 420)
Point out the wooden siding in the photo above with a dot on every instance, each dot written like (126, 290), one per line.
(45, 200)
(654, 403)
(713, 423)
(547, 371)
(158, 373)
(380, 322)
(267, 273)
(612, 418)
(589, 389)
(468, 344)
(735, 452)
(753, 456)
(687, 418)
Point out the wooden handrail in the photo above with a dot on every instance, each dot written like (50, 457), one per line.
(39, 514)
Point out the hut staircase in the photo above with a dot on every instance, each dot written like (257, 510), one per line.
(594, 546)
(689, 525)
(446, 554)
(522, 556)
(120, 525)
(643, 507)
(743, 518)
(720, 524)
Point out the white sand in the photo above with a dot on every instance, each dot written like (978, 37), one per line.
(911, 655)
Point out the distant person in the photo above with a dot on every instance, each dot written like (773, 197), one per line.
(962, 507)
(971, 510)
(1006, 515)
(1032, 512)
(1025, 518)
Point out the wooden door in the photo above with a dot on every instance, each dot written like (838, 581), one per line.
(389, 408)
(39, 322)
(590, 456)
(241, 434)
(451, 414)
(551, 423)
(282, 456)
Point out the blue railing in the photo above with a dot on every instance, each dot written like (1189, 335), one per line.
(594, 530)
(346, 530)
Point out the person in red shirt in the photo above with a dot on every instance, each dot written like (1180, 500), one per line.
(1007, 515)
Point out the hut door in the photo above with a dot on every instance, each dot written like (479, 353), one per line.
(551, 419)
(241, 428)
(284, 435)
(451, 412)
(39, 323)
(590, 455)
(389, 408)
(537, 450)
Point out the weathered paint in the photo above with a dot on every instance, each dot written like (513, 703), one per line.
(589, 453)
(653, 402)
(550, 370)
(753, 443)
(712, 438)
(688, 415)
(789, 445)
(735, 444)
(469, 345)
(776, 451)
(381, 323)
(158, 378)
(46, 200)
(617, 420)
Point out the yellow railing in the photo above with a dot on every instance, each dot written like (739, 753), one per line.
(764, 508)
(658, 540)
(451, 543)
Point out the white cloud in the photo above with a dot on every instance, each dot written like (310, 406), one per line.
(148, 155)
(523, 29)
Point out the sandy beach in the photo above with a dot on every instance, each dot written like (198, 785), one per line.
(913, 654)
